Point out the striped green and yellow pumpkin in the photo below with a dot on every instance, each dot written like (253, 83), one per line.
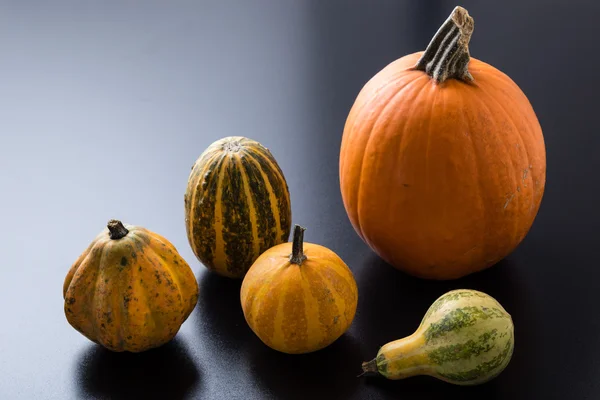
(465, 338)
(237, 205)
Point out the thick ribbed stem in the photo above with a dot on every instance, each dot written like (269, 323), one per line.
(447, 55)
(116, 230)
(297, 256)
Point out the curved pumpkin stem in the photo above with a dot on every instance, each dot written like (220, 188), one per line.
(116, 229)
(447, 55)
(298, 256)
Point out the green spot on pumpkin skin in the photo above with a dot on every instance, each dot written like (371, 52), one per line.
(145, 240)
(139, 245)
(382, 365)
(108, 316)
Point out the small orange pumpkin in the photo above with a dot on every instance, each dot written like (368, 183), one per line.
(300, 297)
(130, 290)
(442, 162)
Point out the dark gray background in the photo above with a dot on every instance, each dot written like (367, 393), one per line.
(104, 106)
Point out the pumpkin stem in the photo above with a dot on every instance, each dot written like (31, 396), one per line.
(447, 55)
(297, 256)
(369, 367)
(116, 229)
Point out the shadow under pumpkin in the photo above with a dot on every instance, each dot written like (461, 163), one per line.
(330, 373)
(219, 313)
(165, 372)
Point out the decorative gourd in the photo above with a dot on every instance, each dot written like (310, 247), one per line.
(130, 290)
(300, 297)
(237, 205)
(465, 338)
(442, 163)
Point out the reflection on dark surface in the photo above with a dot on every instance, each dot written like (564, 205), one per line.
(165, 372)
(219, 311)
(394, 304)
(429, 387)
(330, 373)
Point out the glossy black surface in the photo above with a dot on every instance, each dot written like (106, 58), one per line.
(104, 107)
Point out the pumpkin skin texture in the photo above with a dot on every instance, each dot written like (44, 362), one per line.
(237, 205)
(299, 301)
(130, 290)
(442, 178)
(466, 338)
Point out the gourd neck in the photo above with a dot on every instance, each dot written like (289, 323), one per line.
(447, 55)
(116, 230)
(298, 256)
(401, 358)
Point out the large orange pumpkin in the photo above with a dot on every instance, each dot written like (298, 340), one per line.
(443, 163)
(299, 297)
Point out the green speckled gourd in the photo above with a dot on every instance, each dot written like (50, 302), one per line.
(465, 338)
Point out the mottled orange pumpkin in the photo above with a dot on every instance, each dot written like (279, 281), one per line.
(442, 163)
(130, 290)
(299, 297)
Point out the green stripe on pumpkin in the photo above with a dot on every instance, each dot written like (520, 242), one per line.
(266, 154)
(267, 227)
(199, 166)
(460, 351)
(203, 215)
(461, 318)
(485, 370)
(450, 296)
(279, 187)
(237, 229)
